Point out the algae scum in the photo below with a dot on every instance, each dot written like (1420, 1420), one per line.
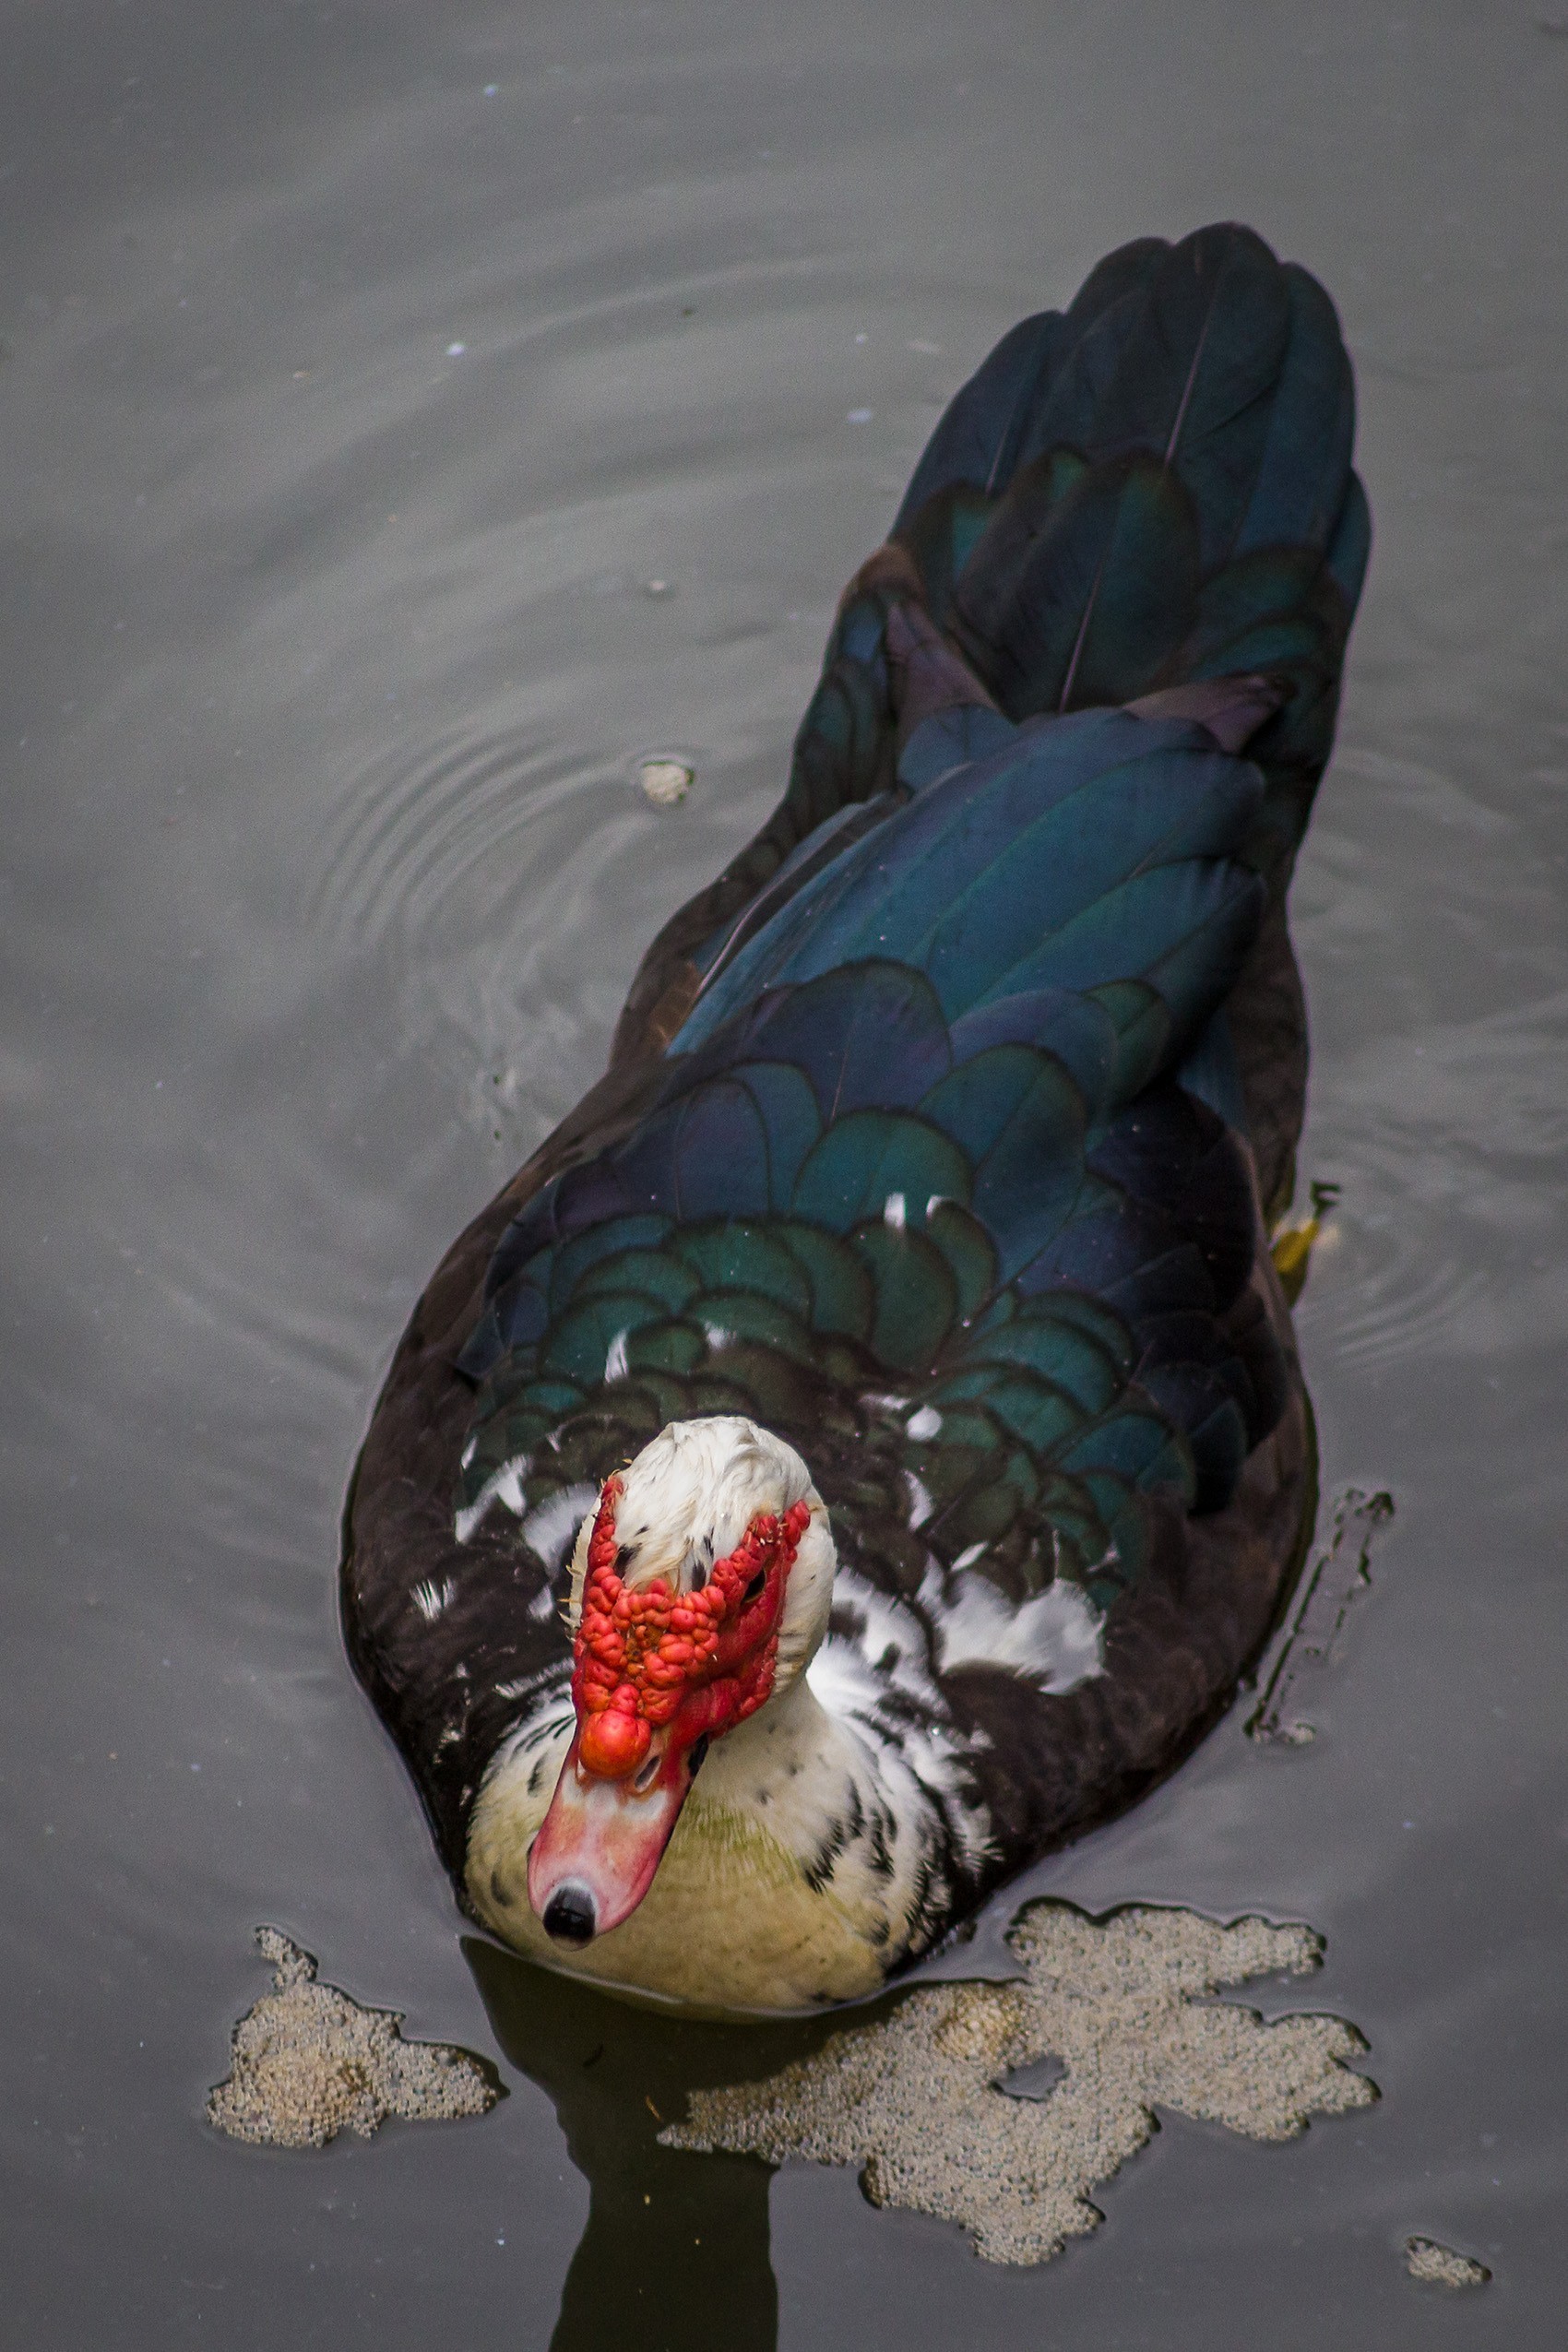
(921, 2100)
(930, 2098)
(309, 2062)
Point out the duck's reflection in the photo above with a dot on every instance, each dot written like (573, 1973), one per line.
(676, 2249)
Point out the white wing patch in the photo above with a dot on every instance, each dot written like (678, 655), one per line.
(921, 1505)
(431, 1598)
(504, 1485)
(1056, 1638)
(889, 1649)
(540, 1686)
(552, 1530)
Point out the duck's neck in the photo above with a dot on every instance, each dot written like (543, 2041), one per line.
(818, 1850)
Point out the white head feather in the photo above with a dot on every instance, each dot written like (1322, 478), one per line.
(688, 1498)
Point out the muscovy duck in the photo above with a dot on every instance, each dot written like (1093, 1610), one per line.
(878, 1393)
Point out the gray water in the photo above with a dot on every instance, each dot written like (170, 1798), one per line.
(328, 658)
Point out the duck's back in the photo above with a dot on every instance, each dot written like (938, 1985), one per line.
(941, 1131)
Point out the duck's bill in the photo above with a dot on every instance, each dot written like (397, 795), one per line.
(599, 1847)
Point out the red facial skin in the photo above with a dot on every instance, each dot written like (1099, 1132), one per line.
(655, 1671)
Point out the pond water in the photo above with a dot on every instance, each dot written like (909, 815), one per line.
(360, 368)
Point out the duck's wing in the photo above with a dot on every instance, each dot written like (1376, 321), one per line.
(1147, 491)
(908, 1119)
(945, 1180)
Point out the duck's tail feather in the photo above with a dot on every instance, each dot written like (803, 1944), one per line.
(1153, 489)
(1146, 492)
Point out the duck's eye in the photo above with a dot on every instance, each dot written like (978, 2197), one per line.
(754, 1590)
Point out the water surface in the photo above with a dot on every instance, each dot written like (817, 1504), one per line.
(360, 367)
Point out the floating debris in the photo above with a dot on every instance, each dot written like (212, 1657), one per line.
(309, 2062)
(1441, 2266)
(920, 2098)
(1339, 1573)
(666, 782)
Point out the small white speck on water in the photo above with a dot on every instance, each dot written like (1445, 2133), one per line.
(658, 588)
(927, 351)
(861, 416)
(665, 782)
(863, 338)
(456, 350)
(493, 89)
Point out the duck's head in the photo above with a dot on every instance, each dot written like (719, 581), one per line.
(701, 1587)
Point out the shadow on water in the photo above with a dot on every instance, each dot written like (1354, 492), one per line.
(676, 2247)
